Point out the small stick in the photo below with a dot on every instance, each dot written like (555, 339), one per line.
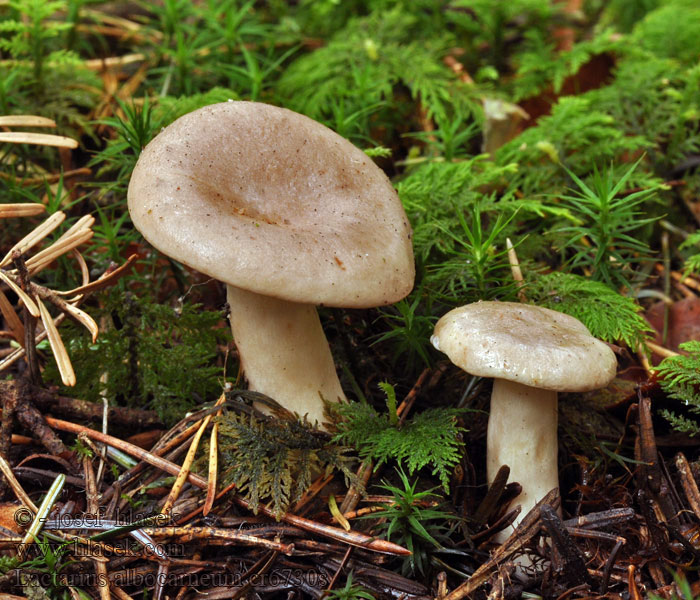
(364, 471)
(313, 491)
(189, 516)
(631, 585)
(188, 534)
(367, 510)
(458, 69)
(22, 496)
(102, 64)
(667, 283)
(441, 585)
(526, 530)
(646, 365)
(340, 568)
(93, 507)
(52, 178)
(353, 538)
(34, 421)
(140, 453)
(690, 486)
(9, 404)
(135, 418)
(29, 324)
(515, 270)
(120, 593)
(689, 281)
(661, 351)
(84, 269)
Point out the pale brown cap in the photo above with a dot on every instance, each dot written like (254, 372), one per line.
(268, 200)
(527, 344)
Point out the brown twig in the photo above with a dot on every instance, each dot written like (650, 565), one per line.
(34, 421)
(74, 408)
(29, 324)
(567, 558)
(9, 405)
(528, 528)
(189, 459)
(232, 536)
(690, 486)
(93, 507)
(349, 537)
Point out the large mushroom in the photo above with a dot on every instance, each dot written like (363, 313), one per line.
(289, 215)
(532, 353)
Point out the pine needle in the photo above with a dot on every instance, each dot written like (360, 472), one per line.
(65, 367)
(23, 296)
(38, 139)
(11, 319)
(24, 209)
(26, 121)
(35, 236)
(42, 259)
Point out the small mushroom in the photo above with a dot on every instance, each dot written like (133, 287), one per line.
(532, 353)
(289, 215)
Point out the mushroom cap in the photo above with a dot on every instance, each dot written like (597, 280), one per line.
(268, 200)
(527, 344)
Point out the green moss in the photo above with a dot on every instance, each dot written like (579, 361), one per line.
(148, 355)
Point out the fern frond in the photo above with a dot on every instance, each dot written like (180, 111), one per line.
(692, 263)
(275, 460)
(680, 423)
(681, 370)
(577, 134)
(671, 31)
(363, 66)
(540, 65)
(680, 379)
(432, 193)
(430, 438)
(607, 314)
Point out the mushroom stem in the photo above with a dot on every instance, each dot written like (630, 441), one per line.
(284, 352)
(522, 433)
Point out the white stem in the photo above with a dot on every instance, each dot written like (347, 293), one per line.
(284, 352)
(522, 434)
